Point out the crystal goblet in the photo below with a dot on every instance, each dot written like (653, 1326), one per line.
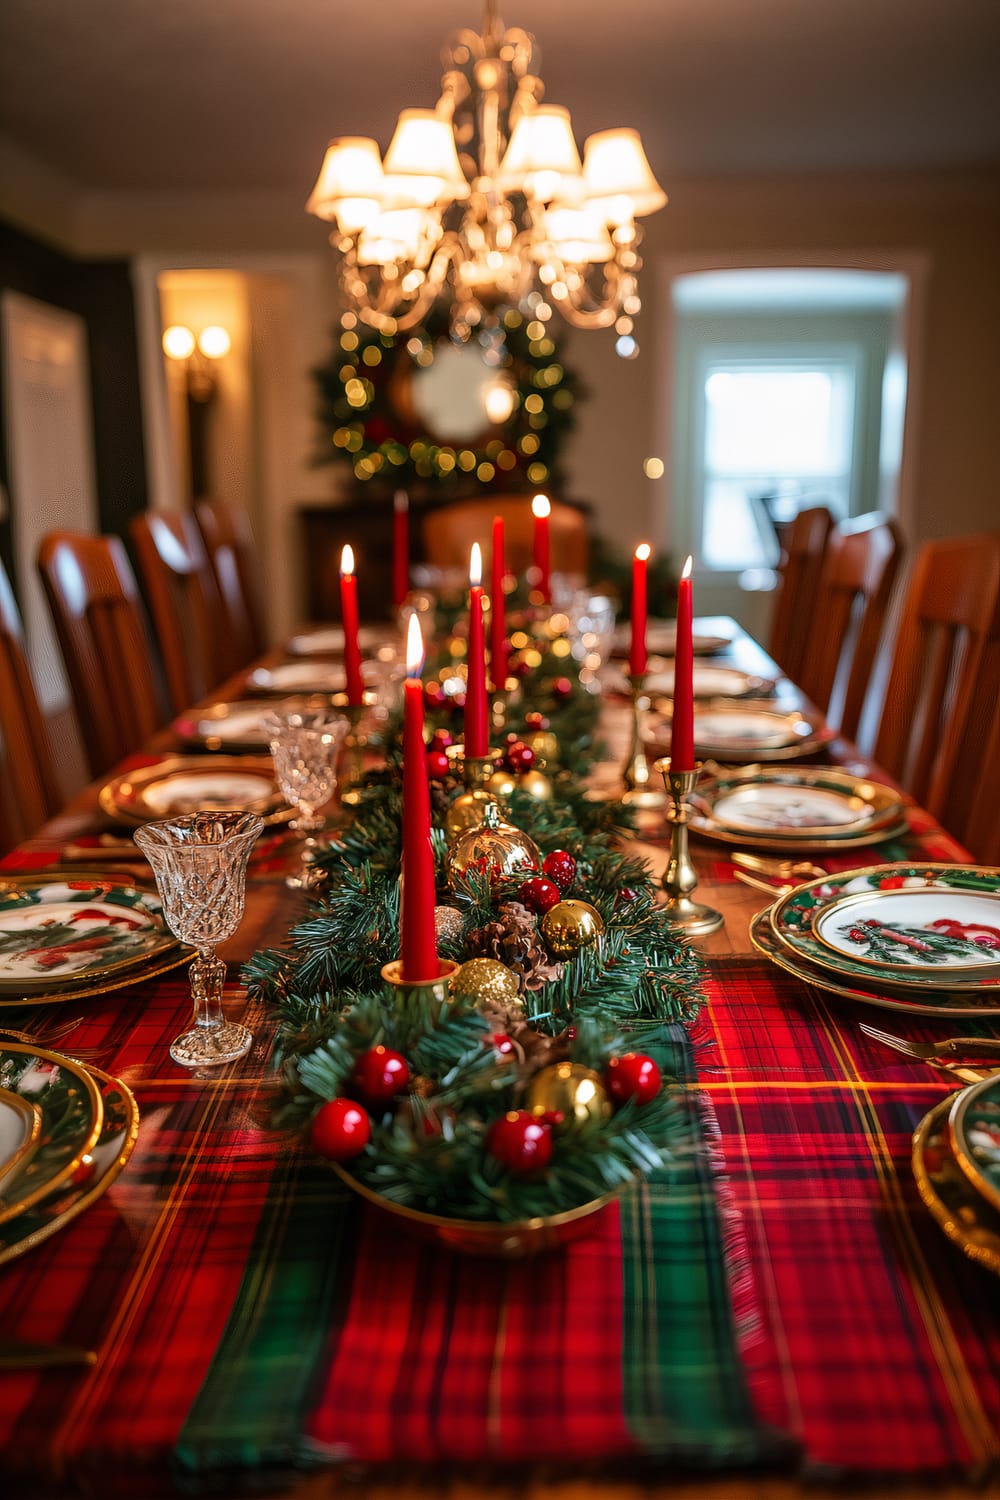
(304, 747)
(200, 864)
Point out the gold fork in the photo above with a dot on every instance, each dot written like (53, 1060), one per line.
(782, 869)
(49, 1040)
(953, 1046)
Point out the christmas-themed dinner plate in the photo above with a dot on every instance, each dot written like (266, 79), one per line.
(711, 682)
(967, 1219)
(298, 677)
(940, 1003)
(734, 732)
(71, 1111)
(974, 1133)
(328, 640)
(20, 1124)
(915, 929)
(794, 806)
(189, 784)
(794, 920)
(112, 1149)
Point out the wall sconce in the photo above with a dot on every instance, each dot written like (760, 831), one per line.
(198, 355)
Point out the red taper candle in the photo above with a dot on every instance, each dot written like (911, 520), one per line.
(541, 509)
(349, 612)
(498, 610)
(637, 650)
(682, 725)
(476, 712)
(418, 942)
(400, 547)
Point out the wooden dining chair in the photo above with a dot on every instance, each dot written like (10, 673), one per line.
(101, 629)
(229, 541)
(803, 549)
(185, 606)
(31, 792)
(449, 532)
(862, 562)
(944, 676)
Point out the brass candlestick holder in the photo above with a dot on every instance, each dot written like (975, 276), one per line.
(635, 775)
(405, 990)
(680, 878)
(355, 745)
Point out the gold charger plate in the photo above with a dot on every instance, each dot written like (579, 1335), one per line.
(517, 1240)
(72, 1114)
(966, 1218)
(39, 895)
(985, 1118)
(127, 798)
(764, 941)
(114, 1146)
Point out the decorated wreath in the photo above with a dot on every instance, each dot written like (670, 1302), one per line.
(368, 421)
(526, 1083)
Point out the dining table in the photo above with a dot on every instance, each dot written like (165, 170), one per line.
(781, 1316)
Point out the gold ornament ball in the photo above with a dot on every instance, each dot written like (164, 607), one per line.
(571, 1088)
(569, 926)
(499, 848)
(448, 924)
(544, 744)
(467, 811)
(502, 782)
(536, 784)
(488, 982)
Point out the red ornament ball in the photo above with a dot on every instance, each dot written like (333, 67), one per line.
(520, 1143)
(379, 1075)
(438, 764)
(632, 1076)
(561, 688)
(340, 1129)
(520, 757)
(626, 896)
(538, 894)
(560, 867)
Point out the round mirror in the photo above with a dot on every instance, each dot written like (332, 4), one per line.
(458, 397)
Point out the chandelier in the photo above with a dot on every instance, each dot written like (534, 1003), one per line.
(484, 201)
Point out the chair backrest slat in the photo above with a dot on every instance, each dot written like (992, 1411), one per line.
(31, 791)
(99, 622)
(803, 549)
(184, 604)
(228, 538)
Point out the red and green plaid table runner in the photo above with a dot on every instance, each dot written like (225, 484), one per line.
(779, 1295)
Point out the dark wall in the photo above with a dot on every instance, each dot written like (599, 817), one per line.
(100, 292)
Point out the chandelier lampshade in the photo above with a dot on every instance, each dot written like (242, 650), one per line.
(484, 202)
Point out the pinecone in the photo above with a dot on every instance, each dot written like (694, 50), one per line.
(513, 939)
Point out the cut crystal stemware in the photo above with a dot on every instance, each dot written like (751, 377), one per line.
(305, 744)
(200, 864)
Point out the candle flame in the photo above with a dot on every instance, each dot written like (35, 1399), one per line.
(414, 647)
(347, 561)
(643, 551)
(540, 506)
(475, 566)
(686, 570)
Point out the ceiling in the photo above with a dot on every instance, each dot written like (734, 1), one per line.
(200, 96)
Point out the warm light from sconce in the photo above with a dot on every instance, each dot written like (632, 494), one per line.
(653, 468)
(540, 506)
(178, 342)
(347, 561)
(214, 342)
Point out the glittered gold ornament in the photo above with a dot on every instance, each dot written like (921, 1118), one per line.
(448, 924)
(570, 1089)
(569, 926)
(467, 811)
(487, 982)
(497, 848)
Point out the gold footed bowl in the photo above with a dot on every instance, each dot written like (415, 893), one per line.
(517, 1240)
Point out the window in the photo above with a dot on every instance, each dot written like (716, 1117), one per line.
(778, 434)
